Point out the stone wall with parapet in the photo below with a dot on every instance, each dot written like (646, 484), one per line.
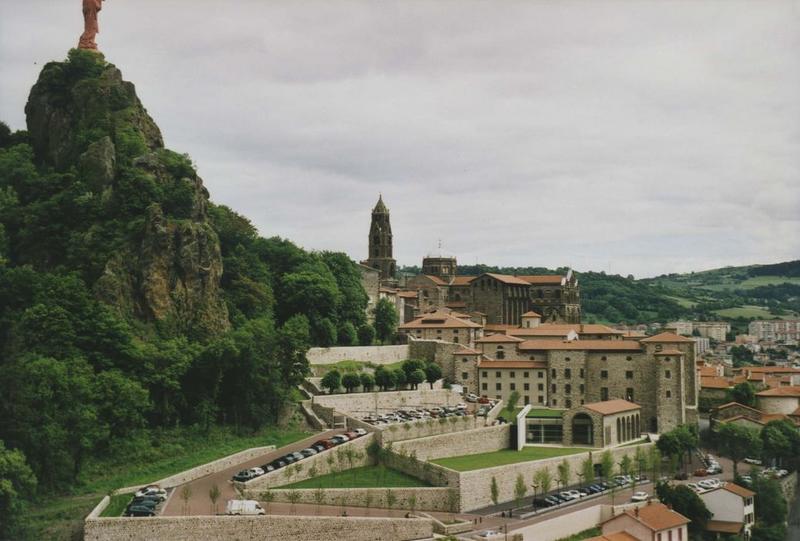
(325, 462)
(205, 469)
(465, 442)
(429, 427)
(359, 404)
(260, 528)
(372, 354)
(427, 498)
(427, 471)
(475, 485)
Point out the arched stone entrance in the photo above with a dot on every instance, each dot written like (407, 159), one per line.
(582, 429)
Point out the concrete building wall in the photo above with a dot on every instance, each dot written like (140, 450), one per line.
(259, 528)
(778, 404)
(466, 442)
(501, 382)
(372, 354)
(625, 523)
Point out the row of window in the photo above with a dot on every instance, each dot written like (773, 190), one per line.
(512, 374)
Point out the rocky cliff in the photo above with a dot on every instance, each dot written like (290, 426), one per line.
(164, 263)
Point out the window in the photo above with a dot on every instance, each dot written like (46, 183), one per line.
(438, 331)
(533, 357)
(464, 375)
(540, 374)
(667, 374)
(629, 374)
(484, 386)
(498, 386)
(568, 403)
(554, 401)
(553, 388)
(526, 386)
(527, 400)
(501, 354)
(581, 388)
(455, 339)
(628, 358)
(512, 374)
(497, 374)
(567, 373)
(485, 374)
(541, 399)
(603, 358)
(603, 393)
(566, 358)
(513, 386)
(567, 389)
(669, 393)
(581, 373)
(525, 374)
(553, 373)
(540, 387)
(629, 394)
(659, 347)
(604, 374)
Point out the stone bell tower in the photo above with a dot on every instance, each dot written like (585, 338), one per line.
(380, 243)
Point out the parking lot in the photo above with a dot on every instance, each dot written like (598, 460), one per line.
(424, 413)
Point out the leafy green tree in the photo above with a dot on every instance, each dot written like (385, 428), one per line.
(332, 380)
(744, 393)
(737, 442)
(513, 400)
(587, 470)
(385, 378)
(17, 488)
(385, 320)
(494, 492)
(399, 378)
(433, 373)
(686, 502)
(764, 532)
(410, 365)
(347, 334)
(366, 335)
(543, 479)
(564, 473)
(770, 504)
(367, 381)
(121, 403)
(350, 381)
(520, 489)
(415, 378)
(607, 465)
(781, 442)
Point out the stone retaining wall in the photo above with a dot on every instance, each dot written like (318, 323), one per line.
(271, 527)
(465, 442)
(205, 469)
(319, 461)
(427, 498)
(359, 404)
(372, 354)
(475, 485)
(428, 427)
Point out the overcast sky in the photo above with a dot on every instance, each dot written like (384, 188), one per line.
(631, 137)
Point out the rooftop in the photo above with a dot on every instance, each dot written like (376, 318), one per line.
(667, 337)
(724, 526)
(610, 407)
(436, 320)
(657, 517)
(543, 279)
(507, 279)
(714, 382)
(616, 536)
(498, 339)
(791, 391)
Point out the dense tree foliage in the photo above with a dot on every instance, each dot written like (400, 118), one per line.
(17, 485)
(385, 320)
(686, 502)
(79, 375)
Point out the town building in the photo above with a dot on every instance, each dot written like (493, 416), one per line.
(732, 510)
(380, 255)
(776, 330)
(714, 330)
(784, 400)
(443, 326)
(651, 522)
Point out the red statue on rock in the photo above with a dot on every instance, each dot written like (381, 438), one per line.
(90, 26)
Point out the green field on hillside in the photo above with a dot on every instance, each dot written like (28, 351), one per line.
(506, 456)
(365, 477)
(758, 312)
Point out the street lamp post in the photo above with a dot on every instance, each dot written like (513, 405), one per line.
(580, 479)
(533, 503)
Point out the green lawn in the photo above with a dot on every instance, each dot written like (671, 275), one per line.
(141, 460)
(365, 477)
(686, 303)
(117, 505)
(748, 311)
(341, 366)
(758, 281)
(506, 456)
(511, 416)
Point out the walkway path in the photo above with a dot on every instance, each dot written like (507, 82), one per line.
(199, 502)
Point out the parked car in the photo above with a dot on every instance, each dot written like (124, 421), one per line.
(694, 487)
(152, 504)
(471, 397)
(152, 490)
(244, 476)
(307, 452)
(360, 432)
(244, 507)
(488, 533)
(325, 444)
(139, 511)
(154, 499)
(640, 496)
(553, 500)
(289, 459)
(542, 502)
(570, 495)
(709, 484)
(298, 456)
(754, 461)
(279, 463)
(701, 472)
(268, 468)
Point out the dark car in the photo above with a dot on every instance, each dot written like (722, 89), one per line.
(268, 467)
(143, 503)
(139, 511)
(326, 444)
(554, 500)
(244, 475)
(541, 502)
(145, 500)
(318, 447)
(289, 459)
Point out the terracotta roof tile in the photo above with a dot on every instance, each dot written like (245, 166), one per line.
(563, 329)
(616, 536)
(408, 294)
(437, 320)
(707, 371)
(714, 382)
(658, 517)
(667, 337)
(610, 407)
(462, 280)
(531, 313)
(498, 339)
(739, 490)
(543, 279)
(791, 391)
(436, 280)
(507, 279)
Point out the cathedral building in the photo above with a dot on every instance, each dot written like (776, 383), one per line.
(380, 255)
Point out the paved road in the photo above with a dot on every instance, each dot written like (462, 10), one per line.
(199, 502)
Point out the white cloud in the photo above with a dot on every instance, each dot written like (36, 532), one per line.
(632, 137)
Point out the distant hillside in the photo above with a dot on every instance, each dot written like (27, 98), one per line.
(737, 294)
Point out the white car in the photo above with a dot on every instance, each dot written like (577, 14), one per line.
(152, 490)
(256, 471)
(570, 494)
(694, 487)
(755, 461)
(360, 431)
(640, 497)
(709, 484)
(244, 507)
(488, 533)
(471, 397)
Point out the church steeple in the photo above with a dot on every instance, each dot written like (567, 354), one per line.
(380, 242)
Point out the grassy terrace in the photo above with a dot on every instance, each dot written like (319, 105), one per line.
(364, 477)
(117, 505)
(506, 456)
(539, 413)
